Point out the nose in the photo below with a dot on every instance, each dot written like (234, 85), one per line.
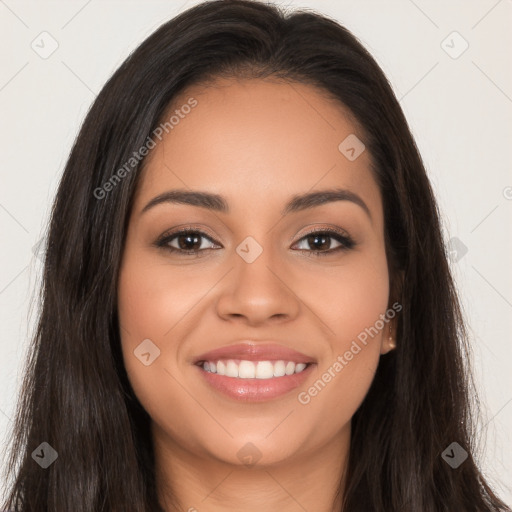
(258, 292)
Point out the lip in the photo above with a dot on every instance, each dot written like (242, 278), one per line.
(255, 390)
(259, 351)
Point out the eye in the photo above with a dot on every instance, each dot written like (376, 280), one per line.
(185, 241)
(189, 242)
(322, 240)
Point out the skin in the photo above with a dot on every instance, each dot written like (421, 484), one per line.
(257, 143)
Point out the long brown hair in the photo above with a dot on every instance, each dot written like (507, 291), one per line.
(76, 395)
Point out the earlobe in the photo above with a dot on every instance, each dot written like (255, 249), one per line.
(389, 341)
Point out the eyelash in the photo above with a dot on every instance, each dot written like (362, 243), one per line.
(344, 239)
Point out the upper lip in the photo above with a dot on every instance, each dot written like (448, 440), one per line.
(255, 351)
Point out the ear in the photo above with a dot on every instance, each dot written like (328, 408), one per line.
(388, 338)
(389, 341)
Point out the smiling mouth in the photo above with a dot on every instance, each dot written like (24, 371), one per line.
(254, 380)
(244, 369)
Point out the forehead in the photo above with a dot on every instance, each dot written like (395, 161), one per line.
(257, 139)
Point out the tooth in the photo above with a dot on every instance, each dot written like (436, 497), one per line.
(290, 368)
(279, 369)
(264, 370)
(231, 369)
(253, 369)
(299, 367)
(246, 370)
(221, 368)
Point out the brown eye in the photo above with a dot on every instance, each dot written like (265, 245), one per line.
(188, 242)
(321, 242)
(185, 241)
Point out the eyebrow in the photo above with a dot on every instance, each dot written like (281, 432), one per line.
(218, 203)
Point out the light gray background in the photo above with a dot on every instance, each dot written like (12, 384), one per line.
(459, 109)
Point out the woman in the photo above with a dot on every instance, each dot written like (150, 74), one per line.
(247, 303)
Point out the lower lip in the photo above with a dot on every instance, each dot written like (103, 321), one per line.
(255, 390)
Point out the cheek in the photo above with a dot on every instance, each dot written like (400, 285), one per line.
(153, 298)
(351, 302)
(364, 297)
(161, 304)
(148, 309)
(350, 299)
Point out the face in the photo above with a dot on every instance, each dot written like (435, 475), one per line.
(253, 278)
